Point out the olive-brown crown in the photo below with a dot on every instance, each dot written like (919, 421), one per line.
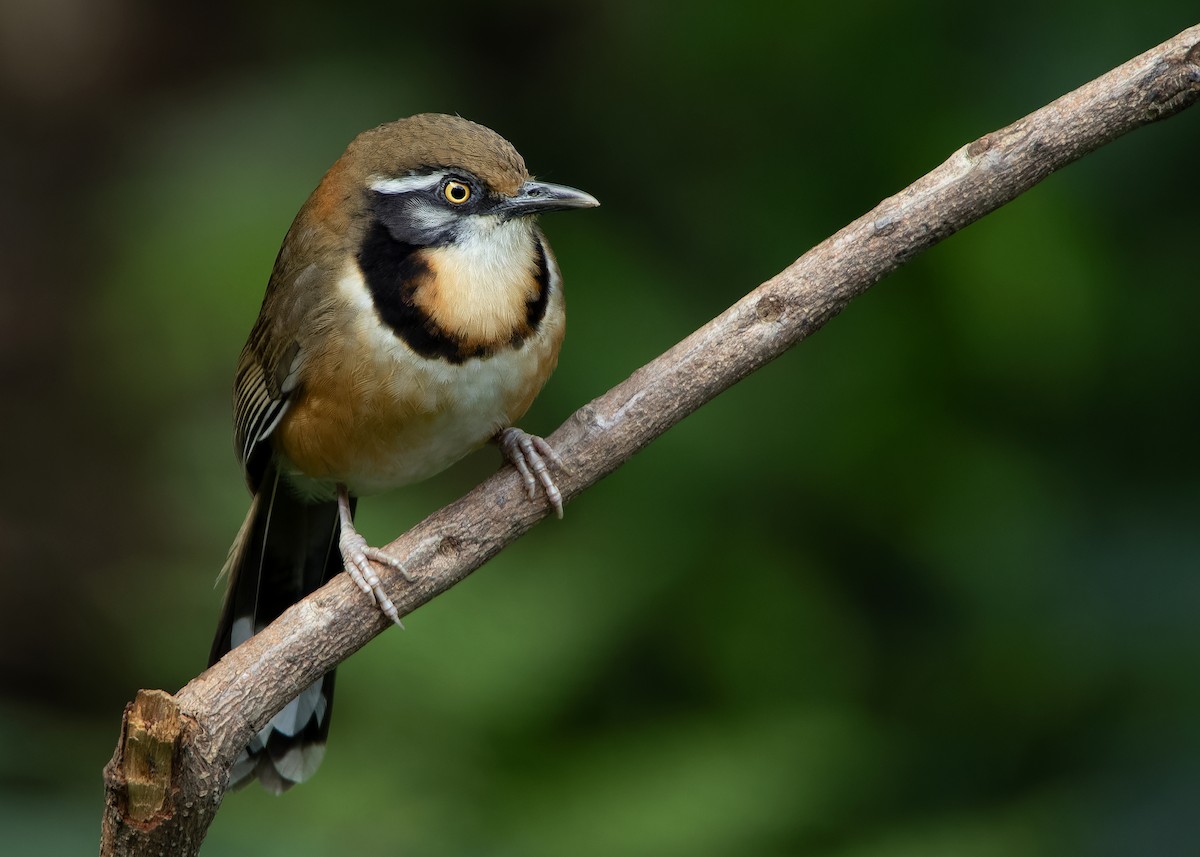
(438, 141)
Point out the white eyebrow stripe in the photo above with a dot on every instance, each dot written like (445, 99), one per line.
(407, 184)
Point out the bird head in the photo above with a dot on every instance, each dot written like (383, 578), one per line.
(435, 180)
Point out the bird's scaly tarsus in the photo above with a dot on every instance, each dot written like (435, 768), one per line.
(528, 453)
(357, 556)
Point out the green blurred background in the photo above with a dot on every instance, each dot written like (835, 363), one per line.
(925, 586)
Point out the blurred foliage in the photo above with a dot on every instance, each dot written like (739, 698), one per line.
(925, 586)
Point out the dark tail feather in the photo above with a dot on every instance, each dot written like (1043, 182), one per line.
(286, 548)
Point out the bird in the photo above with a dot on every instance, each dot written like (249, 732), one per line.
(413, 313)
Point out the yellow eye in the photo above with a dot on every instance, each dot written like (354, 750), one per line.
(457, 192)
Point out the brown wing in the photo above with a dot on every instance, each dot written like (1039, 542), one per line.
(271, 366)
(299, 295)
(261, 393)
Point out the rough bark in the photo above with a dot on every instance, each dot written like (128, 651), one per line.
(167, 777)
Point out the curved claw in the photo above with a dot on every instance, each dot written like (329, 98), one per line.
(529, 453)
(357, 556)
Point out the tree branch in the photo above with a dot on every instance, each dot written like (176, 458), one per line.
(164, 804)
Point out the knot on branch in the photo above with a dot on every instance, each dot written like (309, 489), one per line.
(1179, 88)
(769, 308)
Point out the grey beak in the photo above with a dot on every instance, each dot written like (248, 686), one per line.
(539, 197)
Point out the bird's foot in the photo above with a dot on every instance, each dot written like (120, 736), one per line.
(529, 454)
(357, 557)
